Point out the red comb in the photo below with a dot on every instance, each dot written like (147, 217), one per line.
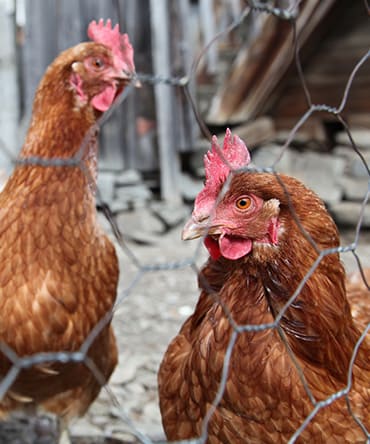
(118, 43)
(218, 163)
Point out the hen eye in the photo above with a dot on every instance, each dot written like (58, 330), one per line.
(98, 63)
(244, 203)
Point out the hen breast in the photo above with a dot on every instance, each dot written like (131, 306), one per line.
(58, 279)
(263, 399)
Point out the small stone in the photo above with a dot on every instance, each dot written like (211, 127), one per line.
(354, 189)
(136, 388)
(149, 380)
(119, 391)
(356, 167)
(320, 172)
(185, 310)
(105, 184)
(125, 372)
(99, 420)
(98, 408)
(151, 411)
(348, 214)
(128, 177)
(141, 220)
(189, 187)
(125, 438)
(138, 195)
(267, 155)
(344, 151)
(360, 136)
(85, 428)
(170, 215)
(119, 206)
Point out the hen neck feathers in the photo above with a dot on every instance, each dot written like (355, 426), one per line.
(60, 134)
(317, 324)
(58, 161)
(58, 128)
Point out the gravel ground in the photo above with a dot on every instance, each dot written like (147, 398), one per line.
(152, 306)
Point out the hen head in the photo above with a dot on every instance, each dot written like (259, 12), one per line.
(233, 224)
(246, 213)
(95, 72)
(104, 67)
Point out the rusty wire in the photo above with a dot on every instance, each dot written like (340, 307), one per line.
(81, 355)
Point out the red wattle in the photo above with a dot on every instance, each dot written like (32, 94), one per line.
(233, 247)
(212, 247)
(103, 101)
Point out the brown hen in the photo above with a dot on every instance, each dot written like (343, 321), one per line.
(259, 259)
(59, 272)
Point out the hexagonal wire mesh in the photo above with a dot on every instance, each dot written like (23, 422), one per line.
(142, 269)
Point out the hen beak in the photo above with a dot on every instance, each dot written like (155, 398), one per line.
(195, 229)
(136, 82)
(129, 77)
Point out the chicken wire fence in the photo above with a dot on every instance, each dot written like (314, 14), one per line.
(142, 269)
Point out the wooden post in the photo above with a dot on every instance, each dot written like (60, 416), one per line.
(130, 21)
(169, 160)
(182, 46)
(40, 44)
(9, 91)
(207, 19)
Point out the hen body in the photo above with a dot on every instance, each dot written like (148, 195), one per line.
(59, 272)
(265, 400)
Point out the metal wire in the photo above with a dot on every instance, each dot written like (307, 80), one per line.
(19, 363)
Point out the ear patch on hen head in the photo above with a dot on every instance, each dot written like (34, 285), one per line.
(118, 43)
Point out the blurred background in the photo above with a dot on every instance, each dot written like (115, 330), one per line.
(290, 77)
